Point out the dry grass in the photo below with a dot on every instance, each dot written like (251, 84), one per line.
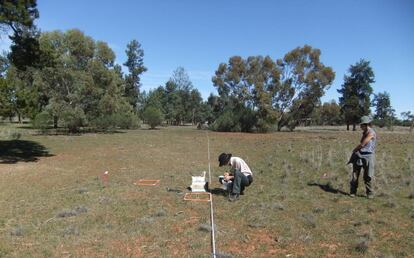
(57, 204)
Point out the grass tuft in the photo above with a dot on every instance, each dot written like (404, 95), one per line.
(82, 190)
(411, 195)
(71, 231)
(309, 220)
(17, 231)
(276, 206)
(390, 204)
(74, 212)
(160, 213)
(318, 210)
(104, 200)
(204, 228)
(223, 255)
(362, 245)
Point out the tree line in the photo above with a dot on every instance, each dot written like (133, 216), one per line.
(69, 80)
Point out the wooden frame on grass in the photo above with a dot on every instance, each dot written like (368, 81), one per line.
(195, 197)
(148, 182)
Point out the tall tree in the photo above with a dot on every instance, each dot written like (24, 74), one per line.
(171, 102)
(23, 94)
(384, 113)
(135, 64)
(268, 92)
(195, 102)
(181, 79)
(182, 98)
(356, 91)
(248, 86)
(16, 14)
(304, 79)
(80, 82)
(6, 91)
(19, 15)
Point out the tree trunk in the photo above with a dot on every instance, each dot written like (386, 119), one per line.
(193, 116)
(55, 122)
(354, 127)
(347, 126)
(412, 126)
(19, 116)
(279, 126)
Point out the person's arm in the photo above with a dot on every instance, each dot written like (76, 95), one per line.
(228, 176)
(364, 142)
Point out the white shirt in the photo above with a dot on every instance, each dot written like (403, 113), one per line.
(238, 163)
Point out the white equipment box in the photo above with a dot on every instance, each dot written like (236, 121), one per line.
(198, 183)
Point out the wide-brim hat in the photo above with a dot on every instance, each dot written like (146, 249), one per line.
(365, 120)
(223, 159)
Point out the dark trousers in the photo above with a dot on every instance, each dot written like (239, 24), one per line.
(240, 181)
(367, 179)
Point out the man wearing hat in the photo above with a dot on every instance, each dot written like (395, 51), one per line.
(240, 174)
(364, 157)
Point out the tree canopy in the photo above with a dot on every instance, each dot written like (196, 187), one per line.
(269, 92)
(384, 113)
(355, 101)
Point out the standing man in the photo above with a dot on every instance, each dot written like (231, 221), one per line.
(240, 174)
(363, 156)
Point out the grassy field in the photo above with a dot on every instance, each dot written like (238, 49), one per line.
(53, 202)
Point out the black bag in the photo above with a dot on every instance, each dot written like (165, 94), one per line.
(250, 179)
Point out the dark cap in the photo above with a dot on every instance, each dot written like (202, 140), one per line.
(224, 158)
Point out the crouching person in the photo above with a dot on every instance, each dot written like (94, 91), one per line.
(240, 175)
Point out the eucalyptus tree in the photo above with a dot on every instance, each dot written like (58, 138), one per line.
(80, 81)
(267, 92)
(247, 87)
(303, 81)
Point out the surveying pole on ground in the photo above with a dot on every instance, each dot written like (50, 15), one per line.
(199, 193)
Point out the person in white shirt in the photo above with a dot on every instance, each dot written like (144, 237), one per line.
(240, 174)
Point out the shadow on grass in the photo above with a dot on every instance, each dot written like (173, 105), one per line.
(14, 151)
(328, 188)
(60, 132)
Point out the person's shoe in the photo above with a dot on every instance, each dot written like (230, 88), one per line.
(370, 196)
(241, 193)
(233, 197)
(352, 195)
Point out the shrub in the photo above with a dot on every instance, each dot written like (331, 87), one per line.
(42, 121)
(126, 120)
(153, 116)
(247, 119)
(264, 126)
(227, 122)
(73, 119)
(104, 122)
